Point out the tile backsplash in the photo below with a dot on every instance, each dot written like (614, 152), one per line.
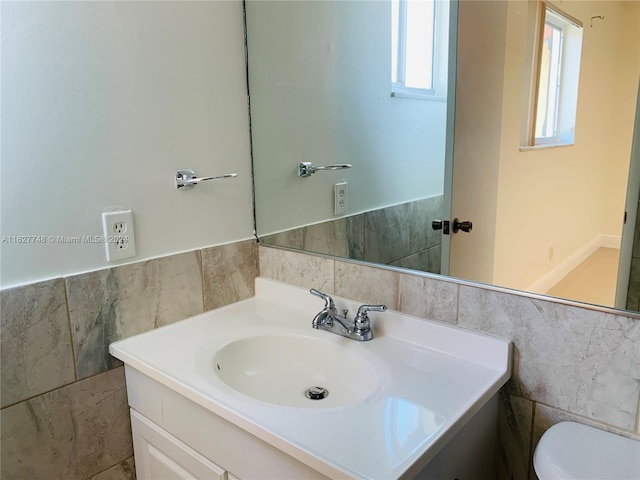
(36, 354)
(108, 305)
(64, 406)
(570, 362)
(64, 409)
(71, 432)
(577, 360)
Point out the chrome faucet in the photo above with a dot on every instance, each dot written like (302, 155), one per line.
(330, 320)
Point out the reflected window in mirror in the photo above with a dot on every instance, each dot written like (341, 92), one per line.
(559, 40)
(417, 45)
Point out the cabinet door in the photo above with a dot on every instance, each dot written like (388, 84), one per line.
(161, 456)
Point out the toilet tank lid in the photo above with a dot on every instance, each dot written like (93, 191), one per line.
(571, 450)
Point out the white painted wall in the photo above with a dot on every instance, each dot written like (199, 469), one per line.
(320, 91)
(565, 197)
(101, 103)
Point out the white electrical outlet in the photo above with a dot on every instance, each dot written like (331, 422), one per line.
(340, 198)
(118, 235)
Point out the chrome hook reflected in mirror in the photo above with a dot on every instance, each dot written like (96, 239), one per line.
(306, 169)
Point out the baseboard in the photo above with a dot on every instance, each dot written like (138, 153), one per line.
(610, 241)
(557, 273)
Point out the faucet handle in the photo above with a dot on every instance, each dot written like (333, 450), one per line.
(328, 301)
(371, 308)
(362, 319)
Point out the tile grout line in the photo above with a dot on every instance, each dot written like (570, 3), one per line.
(73, 350)
(201, 255)
(65, 385)
(599, 424)
(109, 468)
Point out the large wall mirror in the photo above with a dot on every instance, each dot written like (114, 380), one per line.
(418, 111)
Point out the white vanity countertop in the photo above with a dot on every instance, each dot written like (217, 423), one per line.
(432, 378)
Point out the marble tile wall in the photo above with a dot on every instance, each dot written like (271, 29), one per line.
(64, 411)
(570, 362)
(64, 407)
(400, 235)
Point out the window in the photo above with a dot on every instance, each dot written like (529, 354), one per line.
(558, 71)
(419, 32)
(549, 83)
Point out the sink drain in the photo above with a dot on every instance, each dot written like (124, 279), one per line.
(316, 393)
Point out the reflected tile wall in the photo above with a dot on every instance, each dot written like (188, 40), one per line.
(343, 237)
(418, 261)
(293, 238)
(400, 235)
(569, 362)
(331, 238)
(387, 234)
(633, 293)
(56, 427)
(423, 212)
(435, 259)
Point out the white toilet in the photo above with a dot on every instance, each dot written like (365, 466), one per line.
(569, 451)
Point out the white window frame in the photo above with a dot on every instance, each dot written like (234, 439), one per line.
(439, 46)
(563, 134)
(555, 84)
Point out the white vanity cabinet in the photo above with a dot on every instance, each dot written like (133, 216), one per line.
(175, 438)
(175, 454)
(160, 455)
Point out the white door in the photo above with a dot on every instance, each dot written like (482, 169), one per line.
(471, 180)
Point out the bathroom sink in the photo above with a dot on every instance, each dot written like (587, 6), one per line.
(393, 402)
(297, 370)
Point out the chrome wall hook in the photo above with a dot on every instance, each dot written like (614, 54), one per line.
(188, 179)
